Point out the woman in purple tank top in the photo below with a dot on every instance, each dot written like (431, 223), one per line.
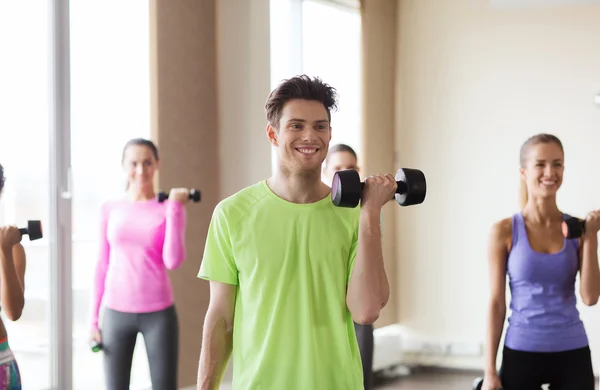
(545, 341)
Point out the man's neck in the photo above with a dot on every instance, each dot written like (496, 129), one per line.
(302, 188)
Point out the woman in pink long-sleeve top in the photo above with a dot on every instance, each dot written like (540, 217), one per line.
(140, 240)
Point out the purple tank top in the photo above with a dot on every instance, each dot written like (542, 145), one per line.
(544, 316)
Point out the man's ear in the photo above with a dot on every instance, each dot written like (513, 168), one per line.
(272, 135)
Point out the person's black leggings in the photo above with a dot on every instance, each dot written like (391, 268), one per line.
(161, 337)
(364, 336)
(568, 370)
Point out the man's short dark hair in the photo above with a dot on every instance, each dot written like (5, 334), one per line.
(299, 87)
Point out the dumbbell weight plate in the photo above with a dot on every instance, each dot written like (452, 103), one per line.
(162, 196)
(416, 187)
(573, 227)
(34, 229)
(352, 188)
(194, 195)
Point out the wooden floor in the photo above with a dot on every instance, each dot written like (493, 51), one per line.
(431, 381)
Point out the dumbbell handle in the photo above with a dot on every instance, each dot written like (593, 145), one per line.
(33, 229)
(401, 189)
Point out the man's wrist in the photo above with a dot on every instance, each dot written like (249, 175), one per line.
(369, 212)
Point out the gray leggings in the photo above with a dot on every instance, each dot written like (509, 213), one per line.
(161, 337)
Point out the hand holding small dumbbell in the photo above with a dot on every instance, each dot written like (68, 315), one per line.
(181, 195)
(408, 187)
(378, 190)
(592, 222)
(9, 237)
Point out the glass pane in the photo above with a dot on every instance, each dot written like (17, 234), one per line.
(337, 64)
(24, 153)
(110, 97)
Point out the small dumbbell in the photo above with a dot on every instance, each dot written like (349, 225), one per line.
(95, 346)
(478, 384)
(346, 188)
(573, 227)
(194, 196)
(33, 229)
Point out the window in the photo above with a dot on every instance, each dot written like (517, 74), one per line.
(110, 104)
(331, 49)
(25, 105)
(322, 38)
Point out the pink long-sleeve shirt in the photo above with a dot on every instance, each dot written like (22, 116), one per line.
(139, 242)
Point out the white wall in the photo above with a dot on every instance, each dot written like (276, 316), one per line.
(473, 83)
(243, 68)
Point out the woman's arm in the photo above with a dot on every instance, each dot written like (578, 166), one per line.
(101, 268)
(174, 247)
(498, 247)
(12, 281)
(589, 271)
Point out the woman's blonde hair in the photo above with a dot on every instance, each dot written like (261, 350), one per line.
(532, 141)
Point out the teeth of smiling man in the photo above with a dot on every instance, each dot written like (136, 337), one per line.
(307, 150)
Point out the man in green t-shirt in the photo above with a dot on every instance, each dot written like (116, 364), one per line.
(289, 272)
(342, 157)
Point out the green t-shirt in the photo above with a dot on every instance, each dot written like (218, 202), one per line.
(291, 263)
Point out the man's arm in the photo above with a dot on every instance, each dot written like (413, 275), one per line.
(368, 288)
(217, 336)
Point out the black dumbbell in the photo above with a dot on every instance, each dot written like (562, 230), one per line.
(33, 229)
(346, 188)
(478, 384)
(194, 196)
(573, 227)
